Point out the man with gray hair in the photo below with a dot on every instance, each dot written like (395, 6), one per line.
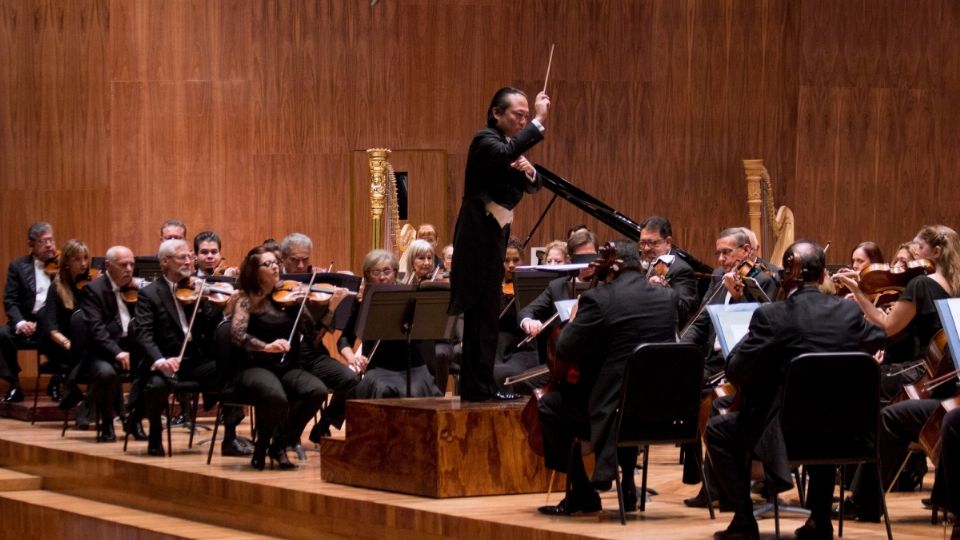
(23, 297)
(295, 251)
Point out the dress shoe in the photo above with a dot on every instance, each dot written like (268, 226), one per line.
(280, 456)
(505, 396)
(180, 420)
(738, 531)
(106, 433)
(134, 428)
(53, 389)
(155, 443)
(14, 395)
(815, 530)
(852, 510)
(74, 397)
(234, 448)
(571, 504)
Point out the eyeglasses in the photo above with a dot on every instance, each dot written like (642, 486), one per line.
(381, 273)
(268, 264)
(182, 258)
(726, 252)
(650, 243)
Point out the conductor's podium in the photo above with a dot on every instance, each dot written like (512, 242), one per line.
(435, 447)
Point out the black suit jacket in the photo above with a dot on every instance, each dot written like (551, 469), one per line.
(683, 282)
(478, 241)
(20, 293)
(157, 332)
(99, 305)
(807, 321)
(611, 321)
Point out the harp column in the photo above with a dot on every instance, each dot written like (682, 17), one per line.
(753, 169)
(377, 158)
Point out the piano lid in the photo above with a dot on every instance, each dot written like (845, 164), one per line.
(609, 216)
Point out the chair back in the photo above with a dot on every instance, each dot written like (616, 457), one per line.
(831, 405)
(660, 395)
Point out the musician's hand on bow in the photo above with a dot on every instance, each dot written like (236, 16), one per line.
(734, 285)
(531, 327)
(167, 365)
(846, 278)
(657, 279)
(573, 310)
(878, 356)
(359, 364)
(277, 346)
(541, 107)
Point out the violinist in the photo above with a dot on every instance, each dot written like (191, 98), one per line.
(556, 253)
(161, 326)
(511, 359)
(914, 313)
(419, 262)
(173, 229)
(610, 321)
(496, 177)
(807, 321)
(295, 251)
(210, 261)
(286, 396)
(25, 294)
(427, 232)
(906, 252)
(865, 254)
(108, 352)
(656, 245)
(446, 260)
(384, 364)
(582, 243)
(62, 300)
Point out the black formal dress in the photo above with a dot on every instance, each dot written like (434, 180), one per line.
(285, 395)
(55, 316)
(479, 246)
(19, 301)
(541, 308)
(107, 338)
(611, 321)
(807, 321)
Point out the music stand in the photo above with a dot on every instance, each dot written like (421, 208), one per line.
(528, 284)
(400, 312)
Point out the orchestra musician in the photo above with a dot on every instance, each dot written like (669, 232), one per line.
(295, 251)
(582, 243)
(109, 345)
(446, 261)
(497, 175)
(173, 229)
(419, 258)
(210, 262)
(865, 254)
(556, 253)
(285, 395)
(609, 322)
(384, 364)
(427, 232)
(656, 244)
(24, 296)
(914, 313)
(906, 252)
(62, 300)
(806, 321)
(510, 359)
(948, 470)
(161, 324)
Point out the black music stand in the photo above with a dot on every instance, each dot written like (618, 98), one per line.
(400, 312)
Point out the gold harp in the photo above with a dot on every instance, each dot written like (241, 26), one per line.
(773, 226)
(386, 229)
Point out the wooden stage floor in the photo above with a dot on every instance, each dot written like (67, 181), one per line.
(298, 503)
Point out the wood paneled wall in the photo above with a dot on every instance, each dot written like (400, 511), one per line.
(245, 116)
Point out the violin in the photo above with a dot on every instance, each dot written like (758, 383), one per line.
(129, 293)
(85, 278)
(188, 291)
(508, 289)
(882, 277)
(288, 293)
(52, 265)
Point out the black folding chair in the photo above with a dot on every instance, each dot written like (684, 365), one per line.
(830, 416)
(227, 354)
(659, 404)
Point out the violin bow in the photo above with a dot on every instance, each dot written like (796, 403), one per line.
(193, 317)
(296, 322)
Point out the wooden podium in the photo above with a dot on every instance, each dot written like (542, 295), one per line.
(435, 447)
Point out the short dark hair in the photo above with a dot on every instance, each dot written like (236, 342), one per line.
(659, 224)
(514, 243)
(628, 253)
(500, 102)
(576, 228)
(804, 261)
(205, 236)
(579, 239)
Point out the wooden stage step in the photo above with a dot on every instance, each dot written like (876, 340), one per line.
(18, 481)
(46, 514)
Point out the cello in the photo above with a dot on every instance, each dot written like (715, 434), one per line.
(563, 370)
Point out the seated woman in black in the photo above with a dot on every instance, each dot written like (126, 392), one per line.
(286, 396)
(386, 368)
(62, 300)
(915, 314)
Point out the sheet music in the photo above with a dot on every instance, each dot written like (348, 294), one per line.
(732, 323)
(949, 311)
